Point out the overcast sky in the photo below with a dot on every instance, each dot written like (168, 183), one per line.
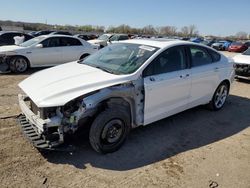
(217, 17)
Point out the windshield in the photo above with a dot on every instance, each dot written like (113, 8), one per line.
(247, 52)
(120, 58)
(103, 37)
(32, 41)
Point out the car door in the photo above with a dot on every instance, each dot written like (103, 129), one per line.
(204, 75)
(167, 84)
(72, 49)
(49, 54)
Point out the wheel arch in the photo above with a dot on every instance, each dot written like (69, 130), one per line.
(22, 56)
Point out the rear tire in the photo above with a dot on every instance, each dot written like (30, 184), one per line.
(19, 64)
(109, 130)
(219, 97)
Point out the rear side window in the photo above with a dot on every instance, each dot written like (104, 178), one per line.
(70, 42)
(216, 56)
(200, 56)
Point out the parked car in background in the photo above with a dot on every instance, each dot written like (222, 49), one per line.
(7, 37)
(208, 42)
(61, 33)
(122, 86)
(118, 37)
(237, 47)
(221, 45)
(39, 33)
(45, 50)
(102, 40)
(242, 65)
(196, 39)
(247, 44)
(86, 36)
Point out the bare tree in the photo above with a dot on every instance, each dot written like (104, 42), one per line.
(184, 31)
(168, 30)
(241, 35)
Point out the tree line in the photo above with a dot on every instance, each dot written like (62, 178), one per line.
(185, 31)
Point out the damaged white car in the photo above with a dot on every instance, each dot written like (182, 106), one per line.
(122, 86)
(43, 51)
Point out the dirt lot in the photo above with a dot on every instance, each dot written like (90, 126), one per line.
(196, 148)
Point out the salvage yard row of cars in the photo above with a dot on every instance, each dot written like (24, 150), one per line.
(114, 89)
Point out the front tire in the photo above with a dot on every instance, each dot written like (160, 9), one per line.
(19, 64)
(219, 97)
(109, 130)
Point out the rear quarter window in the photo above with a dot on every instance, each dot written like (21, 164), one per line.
(215, 55)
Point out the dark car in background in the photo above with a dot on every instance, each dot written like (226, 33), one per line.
(7, 37)
(39, 33)
(86, 36)
(61, 33)
(237, 47)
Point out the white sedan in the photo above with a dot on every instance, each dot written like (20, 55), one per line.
(124, 85)
(242, 65)
(46, 50)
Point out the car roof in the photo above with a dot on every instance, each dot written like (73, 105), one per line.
(159, 43)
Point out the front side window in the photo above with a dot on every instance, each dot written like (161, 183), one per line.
(120, 58)
(199, 56)
(32, 41)
(170, 60)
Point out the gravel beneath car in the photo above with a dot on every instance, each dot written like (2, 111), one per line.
(196, 148)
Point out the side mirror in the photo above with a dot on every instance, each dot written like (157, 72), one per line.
(39, 46)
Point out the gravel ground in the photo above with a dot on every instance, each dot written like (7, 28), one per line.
(196, 148)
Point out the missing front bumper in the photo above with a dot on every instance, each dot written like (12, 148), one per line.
(30, 132)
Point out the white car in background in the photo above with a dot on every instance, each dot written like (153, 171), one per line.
(242, 65)
(102, 41)
(122, 86)
(46, 50)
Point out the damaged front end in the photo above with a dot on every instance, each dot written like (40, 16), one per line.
(47, 127)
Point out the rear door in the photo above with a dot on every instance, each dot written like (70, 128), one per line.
(72, 49)
(167, 85)
(204, 74)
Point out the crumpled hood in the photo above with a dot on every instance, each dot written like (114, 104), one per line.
(58, 85)
(9, 48)
(242, 59)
